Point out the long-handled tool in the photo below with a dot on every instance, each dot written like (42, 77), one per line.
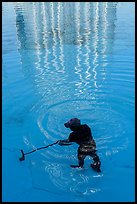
(23, 154)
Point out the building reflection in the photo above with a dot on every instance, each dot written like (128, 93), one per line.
(47, 28)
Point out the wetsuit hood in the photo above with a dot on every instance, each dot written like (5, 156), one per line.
(73, 123)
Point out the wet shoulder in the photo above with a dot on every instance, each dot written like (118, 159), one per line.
(85, 127)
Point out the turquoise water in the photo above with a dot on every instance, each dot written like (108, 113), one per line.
(62, 60)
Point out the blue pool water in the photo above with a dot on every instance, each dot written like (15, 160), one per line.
(62, 60)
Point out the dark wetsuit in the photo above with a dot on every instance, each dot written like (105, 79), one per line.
(83, 137)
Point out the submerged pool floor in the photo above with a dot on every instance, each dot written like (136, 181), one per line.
(62, 60)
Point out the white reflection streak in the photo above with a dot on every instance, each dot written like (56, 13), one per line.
(77, 68)
(87, 34)
(18, 41)
(104, 26)
(104, 42)
(60, 37)
(36, 38)
(45, 36)
(54, 36)
(95, 45)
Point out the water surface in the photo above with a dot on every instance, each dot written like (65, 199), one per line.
(62, 60)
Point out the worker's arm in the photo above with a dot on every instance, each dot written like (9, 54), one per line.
(64, 142)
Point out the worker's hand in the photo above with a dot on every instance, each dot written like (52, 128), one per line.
(60, 142)
(64, 142)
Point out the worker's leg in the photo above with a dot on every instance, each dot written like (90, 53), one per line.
(81, 157)
(97, 163)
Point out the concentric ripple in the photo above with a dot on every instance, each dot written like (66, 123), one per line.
(109, 130)
(108, 126)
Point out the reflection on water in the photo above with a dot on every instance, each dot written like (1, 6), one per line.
(89, 27)
(60, 19)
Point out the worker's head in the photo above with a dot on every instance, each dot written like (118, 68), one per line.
(73, 123)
